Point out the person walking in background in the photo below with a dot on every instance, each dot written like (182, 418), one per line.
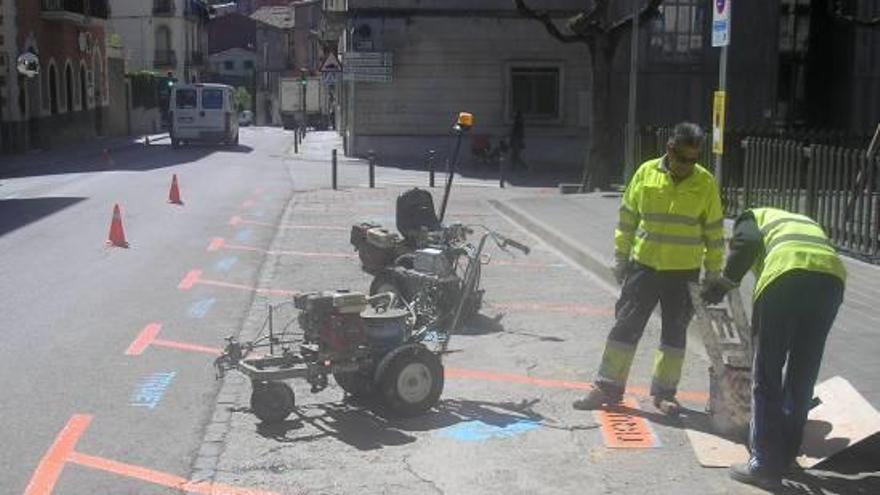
(517, 142)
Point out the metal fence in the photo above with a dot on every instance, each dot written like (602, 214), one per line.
(817, 179)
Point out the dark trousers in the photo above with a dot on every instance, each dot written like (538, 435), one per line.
(643, 289)
(790, 322)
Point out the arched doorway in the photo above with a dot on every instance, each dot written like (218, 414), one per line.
(83, 88)
(53, 90)
(68, 83)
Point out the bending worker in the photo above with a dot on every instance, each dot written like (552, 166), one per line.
(670, 224)
(800, 283)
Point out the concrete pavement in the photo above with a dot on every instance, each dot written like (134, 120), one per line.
(582, 226)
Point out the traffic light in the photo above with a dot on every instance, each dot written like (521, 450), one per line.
(302, 78)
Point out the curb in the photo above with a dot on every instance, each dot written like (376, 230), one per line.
(583, 256)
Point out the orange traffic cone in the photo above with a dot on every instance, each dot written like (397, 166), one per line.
(174, 193)
(117, 235)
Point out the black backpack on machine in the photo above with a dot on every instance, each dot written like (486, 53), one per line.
(415, 210)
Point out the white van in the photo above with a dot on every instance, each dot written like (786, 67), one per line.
(203, 112)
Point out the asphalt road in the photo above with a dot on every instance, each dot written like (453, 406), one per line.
(70, 307)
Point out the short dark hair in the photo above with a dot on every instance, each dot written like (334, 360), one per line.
(687, 134)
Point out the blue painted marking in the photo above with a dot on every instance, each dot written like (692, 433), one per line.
(243, 235)
(478, 431)
(199, 309)
(150, 390)
(226, 264)
(259, 213)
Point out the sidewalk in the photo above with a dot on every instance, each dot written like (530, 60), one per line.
(582, 227)
(41, 158)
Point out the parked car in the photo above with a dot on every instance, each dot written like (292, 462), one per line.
(203, 112)
(246, 118)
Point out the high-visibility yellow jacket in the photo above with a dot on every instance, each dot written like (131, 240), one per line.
(671, 226)
(792, 242)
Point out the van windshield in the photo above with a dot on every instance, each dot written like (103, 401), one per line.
(186, 98)
(212, 99)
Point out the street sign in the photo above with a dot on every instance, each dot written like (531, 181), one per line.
(718, 122)
(368, 66)
(331, 64)
(384, 78)
(330, 78)
(720, 22)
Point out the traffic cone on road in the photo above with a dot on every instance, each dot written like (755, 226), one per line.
(117, 234)
(174, 193)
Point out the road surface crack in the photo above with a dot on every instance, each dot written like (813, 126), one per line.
(413, 472)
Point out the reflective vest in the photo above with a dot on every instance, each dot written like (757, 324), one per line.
(671, 226)
(792, 242)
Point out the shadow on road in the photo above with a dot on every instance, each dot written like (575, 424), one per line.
(132, 158)
(366, 425)
(855, 470)
(17, 213)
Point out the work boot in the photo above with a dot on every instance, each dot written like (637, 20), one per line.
(667, 405)
(596, 399)
(751, 474)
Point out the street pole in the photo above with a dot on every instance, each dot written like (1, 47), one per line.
(722, 21)
(722, 86)
(630, 152)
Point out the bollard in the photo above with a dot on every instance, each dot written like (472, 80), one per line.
(345, 145)
(295, 144)
(372, 157)
(333, 169)
(501, 170)
(430, 168)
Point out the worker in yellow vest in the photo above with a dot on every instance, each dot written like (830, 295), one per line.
(800, 284)
(670, 225)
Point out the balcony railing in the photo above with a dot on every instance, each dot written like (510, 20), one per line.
(74, 10)
(163, 7)
(164, 58)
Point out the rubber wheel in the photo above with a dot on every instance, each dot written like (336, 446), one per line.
(354, 383)
(272, 402)
(410, 380)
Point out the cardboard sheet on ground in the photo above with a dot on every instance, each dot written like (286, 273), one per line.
(842, 419)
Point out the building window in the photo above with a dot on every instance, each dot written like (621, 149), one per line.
(249, 65)
(229, 65)
(677, 34)
(535, 92)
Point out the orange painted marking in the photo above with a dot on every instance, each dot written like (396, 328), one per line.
(191, 279)
(235, 220)
(62, 452)
(575, 309)
(216, 244)
(50, 467)
(622, 430)
(144, 339)
(187, 347)
(248, 203)
(259, 190)
(550, 383)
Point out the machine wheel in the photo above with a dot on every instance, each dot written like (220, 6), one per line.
(354, 383)
(272, 402)
(410, 379)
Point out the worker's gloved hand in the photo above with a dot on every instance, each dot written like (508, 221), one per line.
(715, 287)
(621, 268)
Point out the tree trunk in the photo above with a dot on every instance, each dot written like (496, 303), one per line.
(598, 169)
